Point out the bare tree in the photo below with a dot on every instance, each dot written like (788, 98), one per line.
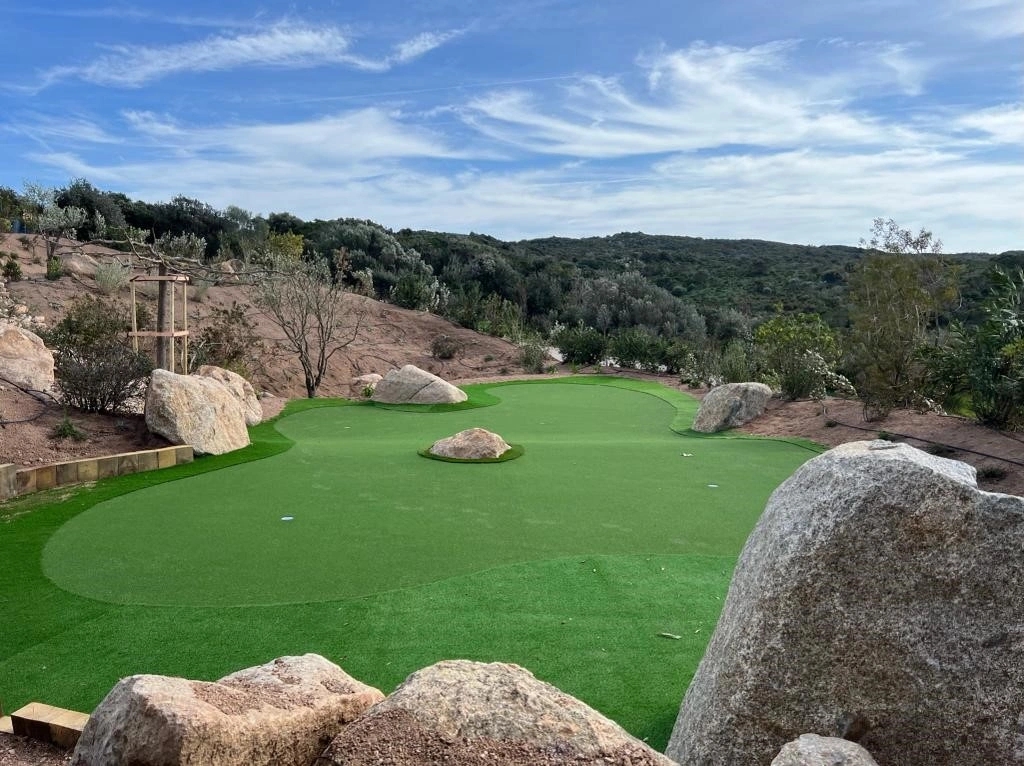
(314, 311)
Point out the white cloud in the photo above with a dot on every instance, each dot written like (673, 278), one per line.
(1003, 124)
(284, 45)
(993, 19)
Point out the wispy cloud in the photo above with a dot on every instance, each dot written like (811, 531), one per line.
(993, 19)
(700, 97)
(284, 45)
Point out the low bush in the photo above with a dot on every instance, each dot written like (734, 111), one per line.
(112, 277)
(229, 340)
(445, 347)
(580, 344)
(533, 353)
(98, 371)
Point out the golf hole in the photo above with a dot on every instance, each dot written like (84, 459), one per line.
(287, 518)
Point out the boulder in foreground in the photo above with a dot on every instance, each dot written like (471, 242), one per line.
(411, 385)
(731, 405)
(881, 585)
(474, 713)
(813, 750)
(471, 444)
(188, 409)
(240, 388)
(284, 712)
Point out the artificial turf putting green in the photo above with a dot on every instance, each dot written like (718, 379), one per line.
(570, 560)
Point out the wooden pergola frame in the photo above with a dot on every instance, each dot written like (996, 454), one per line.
(173, 333)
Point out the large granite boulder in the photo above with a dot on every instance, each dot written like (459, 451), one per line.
(814, 750)
(359, 384)
(879, 586)
(471, 444)
(284, 712)
(240, 388)
(473, 713)
(731, 405)
(411, 385)
(24, 359)
(189, 409)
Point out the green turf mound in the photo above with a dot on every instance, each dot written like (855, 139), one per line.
(514, 451)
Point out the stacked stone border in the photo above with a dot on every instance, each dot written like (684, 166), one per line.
(15, 481)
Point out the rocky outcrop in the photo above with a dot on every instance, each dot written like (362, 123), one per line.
(240, 388)
(475, 713)
(188, 409)
(731, 405)
(79, 265)
(359, 385)
(879, 584)
(471, 444)
(24, 359)
(813, 750)
(284, 712)
(411, 385)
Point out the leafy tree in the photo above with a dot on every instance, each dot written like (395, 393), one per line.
(102, 210)
(580, 344)
(896, 298)
(314, 312)
(984, 363)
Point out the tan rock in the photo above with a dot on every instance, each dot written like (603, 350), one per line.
(189, 409)
(471, 444)
(284, 712)
(359, 384)
(24, 359)
(79, 265)
(411, 385)
(240, 388)
(731, 405)
(484, 713)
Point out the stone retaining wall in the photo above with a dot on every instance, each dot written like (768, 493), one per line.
(14, 481)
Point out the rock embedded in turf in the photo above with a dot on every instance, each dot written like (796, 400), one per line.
(879, 584)
(188, 409)
(471, 444)
(731, 405)
(473, 713)
(814, 750)
(284, 712)
(240, 388)
(411, 385)
(24, 360)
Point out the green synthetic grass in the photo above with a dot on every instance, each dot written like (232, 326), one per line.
(570, 560)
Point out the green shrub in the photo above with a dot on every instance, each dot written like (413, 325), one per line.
(65, 429)
(533, 353)
(112, 277)
(992, 472)
(445, 347)
(634, 347)
(12, 269)
(229, 340)
(96, 368)
(54, 268)
(580, 344)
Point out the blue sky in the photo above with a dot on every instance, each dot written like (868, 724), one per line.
(790, 120)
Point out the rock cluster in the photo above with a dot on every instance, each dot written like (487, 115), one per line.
(196, 410)
(358, 385)
(731, 405)
(880, 585)
(471, 444)
(284, 712)
(411, 385)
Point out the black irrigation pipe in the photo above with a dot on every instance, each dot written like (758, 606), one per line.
(37, 395)
(930, 441)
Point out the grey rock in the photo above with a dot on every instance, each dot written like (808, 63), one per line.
(731, 405)
(359, 384)
(411, 385)
(189, 409)
(284, 712)
(471, 444)
(455, 710)
(814, 750)
(879, 581)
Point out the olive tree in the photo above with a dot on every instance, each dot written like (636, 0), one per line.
(317, 316)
